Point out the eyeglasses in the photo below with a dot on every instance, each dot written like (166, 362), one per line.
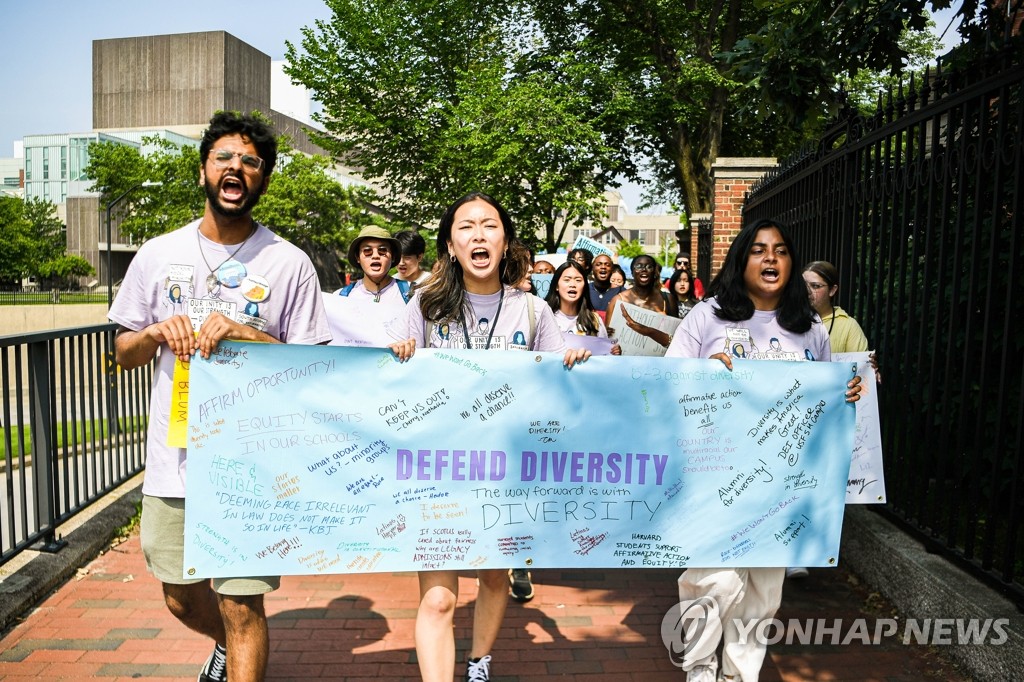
(682, 262)
(222, 159)
(816, 285)
(381, 250)
(641, 267)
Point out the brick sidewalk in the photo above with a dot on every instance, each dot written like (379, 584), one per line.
(110, 624)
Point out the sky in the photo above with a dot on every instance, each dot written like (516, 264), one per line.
(46, 78)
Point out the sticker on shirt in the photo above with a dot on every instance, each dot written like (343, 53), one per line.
(257, 323)
(178, 295)
(231, 274)
(776, 352)
(200, 308)
(255, 288)
(441, 335)
(181, 273)
(518, 341)
(738, 343)
(178, 288)
(479, 337)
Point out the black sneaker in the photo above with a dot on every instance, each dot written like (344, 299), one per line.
(478, 669)
(216, 667)
(520, 584)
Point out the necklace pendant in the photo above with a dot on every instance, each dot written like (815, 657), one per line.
(212, 282)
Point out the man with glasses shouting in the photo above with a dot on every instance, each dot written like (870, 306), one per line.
(223, 276)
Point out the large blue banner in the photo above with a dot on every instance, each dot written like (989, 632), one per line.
(310, 459)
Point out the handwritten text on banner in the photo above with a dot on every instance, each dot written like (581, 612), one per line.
(306, 460)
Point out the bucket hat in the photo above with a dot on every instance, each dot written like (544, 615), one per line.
(374, 232)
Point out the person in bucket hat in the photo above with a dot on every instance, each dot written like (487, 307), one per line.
(377, 233)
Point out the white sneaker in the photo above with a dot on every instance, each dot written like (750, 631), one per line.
(797, 572)
(479, 670)
(702, 673)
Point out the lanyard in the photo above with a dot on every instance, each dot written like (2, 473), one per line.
(494, 322)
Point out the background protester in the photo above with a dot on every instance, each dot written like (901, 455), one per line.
(646, 293)
(844, 332)
(618, 278)
(569, 298)
(680, 292)
(683, 263)
(584, 258)
(601, 289)
(757, 309)
(410, 264)
(372, 310)
(473, 302)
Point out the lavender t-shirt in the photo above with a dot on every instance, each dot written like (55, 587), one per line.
(275, 290)
(567, 323)
(701, 334)
(507, 328)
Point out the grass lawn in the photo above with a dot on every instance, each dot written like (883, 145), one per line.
(85, 430)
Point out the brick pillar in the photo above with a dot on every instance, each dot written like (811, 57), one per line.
(733, 177)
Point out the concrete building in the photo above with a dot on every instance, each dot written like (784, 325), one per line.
(164, 86)
(12, 175)
(657, 234)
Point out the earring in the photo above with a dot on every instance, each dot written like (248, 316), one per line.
(452, 257)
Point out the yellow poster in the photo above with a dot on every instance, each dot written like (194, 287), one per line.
(177, 431)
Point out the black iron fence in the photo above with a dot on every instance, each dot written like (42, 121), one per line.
(922, 210)
(73, 429)
(50, 297)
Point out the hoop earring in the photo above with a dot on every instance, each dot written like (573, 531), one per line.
(451, 256)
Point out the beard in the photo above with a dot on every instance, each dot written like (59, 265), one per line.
(249, 200)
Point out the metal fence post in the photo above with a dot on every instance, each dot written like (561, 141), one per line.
(40, 364)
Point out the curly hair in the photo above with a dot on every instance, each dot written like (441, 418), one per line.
(255, 129)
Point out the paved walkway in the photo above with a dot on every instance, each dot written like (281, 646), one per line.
(109, 623)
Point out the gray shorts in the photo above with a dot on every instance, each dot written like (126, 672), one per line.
(163, 543)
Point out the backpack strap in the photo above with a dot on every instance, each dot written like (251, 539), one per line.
(533, 319)
(404, 287)
(347, 290)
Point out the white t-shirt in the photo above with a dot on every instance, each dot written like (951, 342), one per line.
(701, 334)
(507, 328)
(367, 318)
(276, 291)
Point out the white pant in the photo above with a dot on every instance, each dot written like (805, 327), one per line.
(744, 594)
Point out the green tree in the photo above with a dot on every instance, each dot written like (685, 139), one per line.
(146, 212)
(725, 77)
(304, 203)
(631, 248)
(542, 102)
(16, 239)
(866, 86)
(35, 245)
(309, 207)
(433, 99)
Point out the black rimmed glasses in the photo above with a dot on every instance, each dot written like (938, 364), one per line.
(222, 158)
(642, 267)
